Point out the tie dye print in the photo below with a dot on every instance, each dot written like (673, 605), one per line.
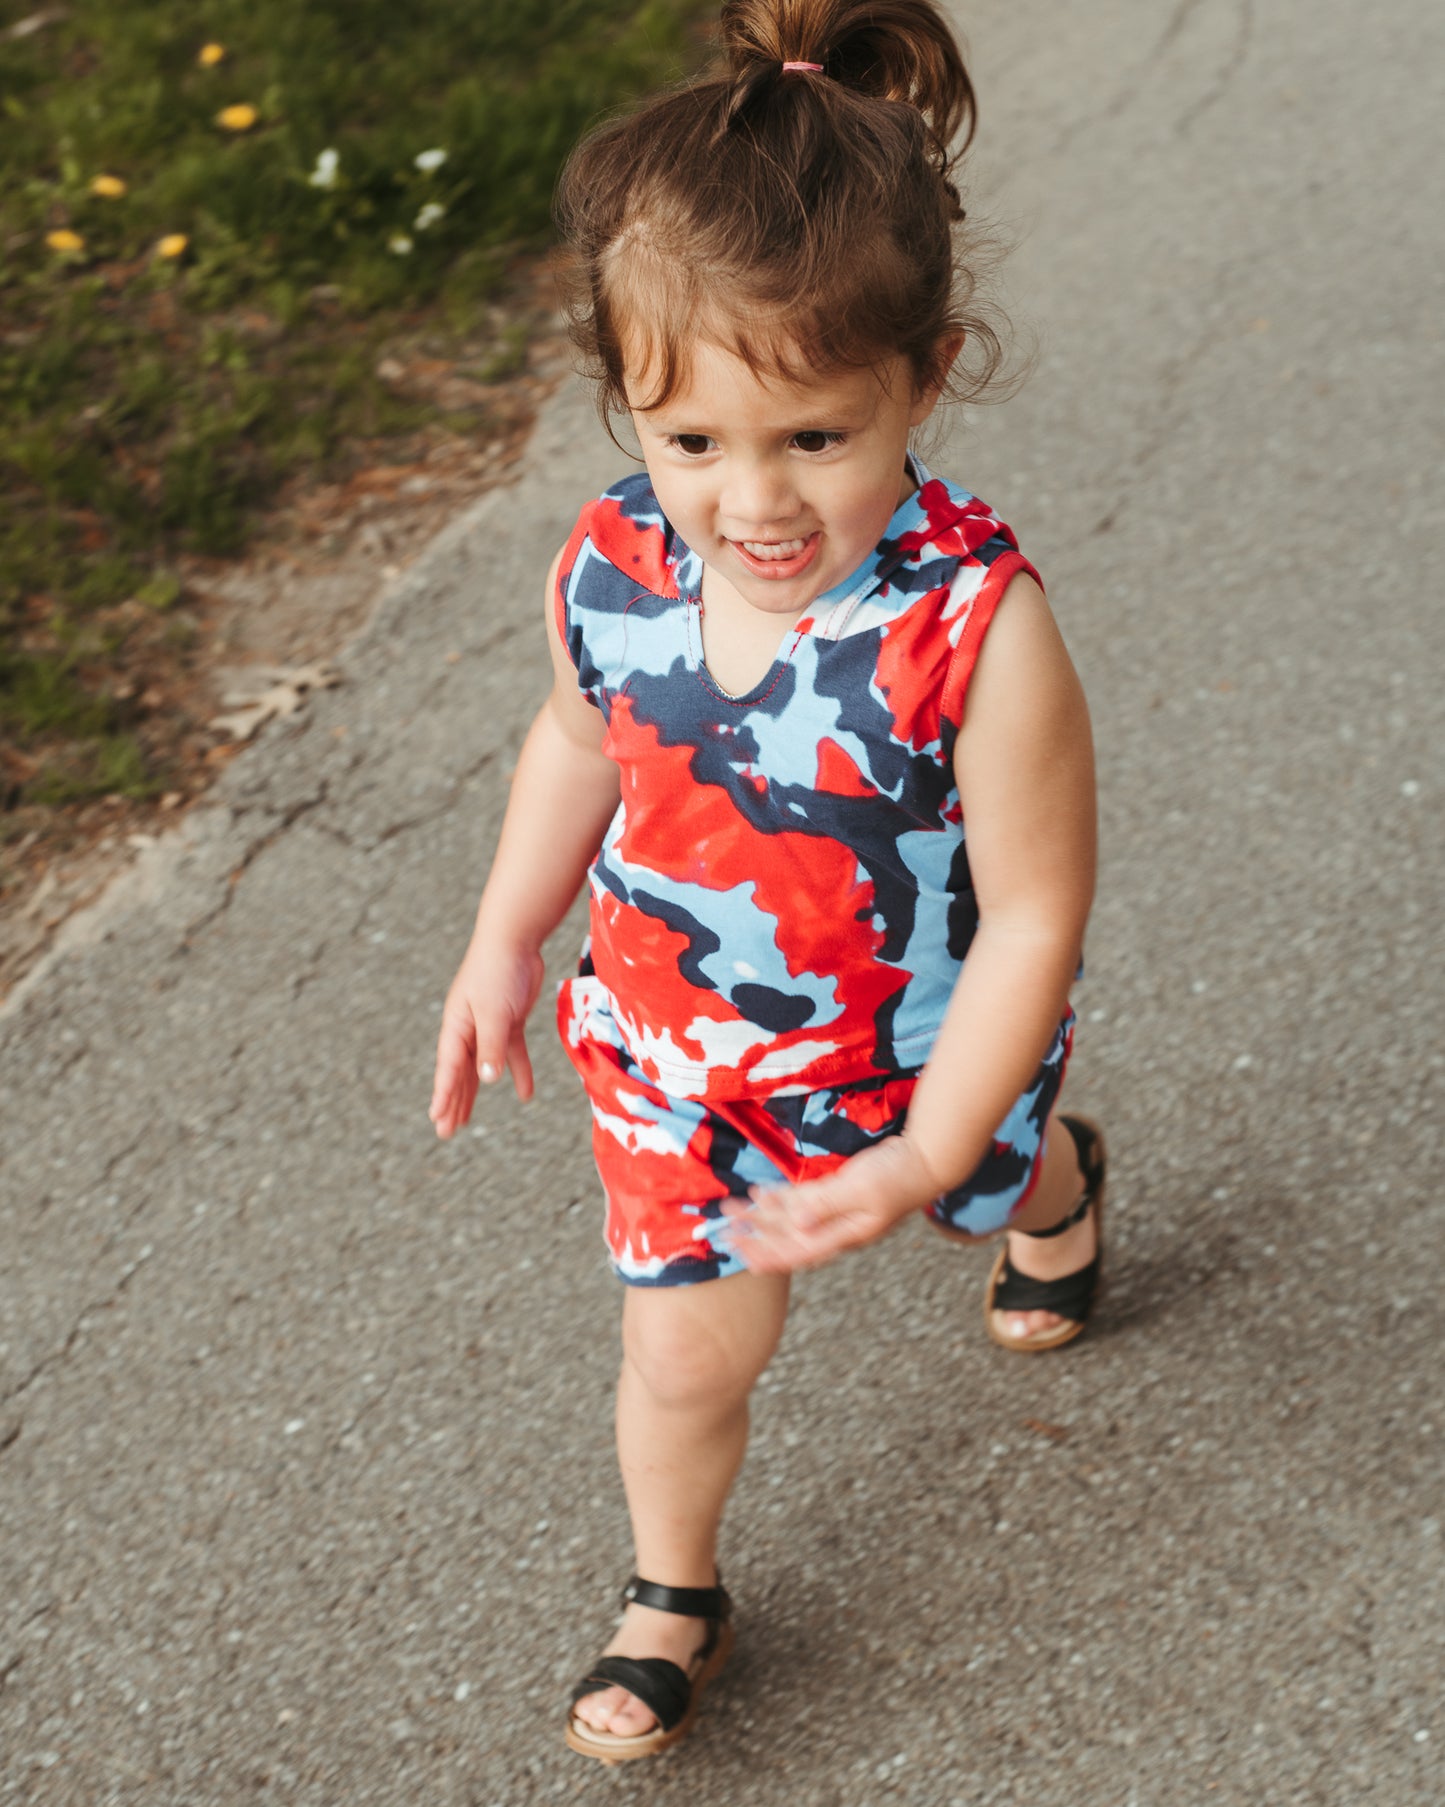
(667, 1164)
(782, 901)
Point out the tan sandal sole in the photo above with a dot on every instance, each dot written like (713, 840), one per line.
(609, 1750)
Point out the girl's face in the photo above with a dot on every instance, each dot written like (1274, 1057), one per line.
(783, 489)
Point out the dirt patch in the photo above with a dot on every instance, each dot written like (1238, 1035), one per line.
(254, 635)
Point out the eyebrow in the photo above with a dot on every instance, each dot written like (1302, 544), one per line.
(661, 420)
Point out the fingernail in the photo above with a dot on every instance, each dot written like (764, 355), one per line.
(487, 1072)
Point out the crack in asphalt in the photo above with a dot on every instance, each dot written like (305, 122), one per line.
(59, 1354)
(1124, 96)
(1174, 25)
(252, 853)
(369, 842)
(310, 972)
(1224, 80)
(120, 1155)
(70, 1060)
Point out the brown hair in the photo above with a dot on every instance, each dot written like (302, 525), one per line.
(806, 221)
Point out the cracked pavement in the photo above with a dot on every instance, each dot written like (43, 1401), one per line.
(306, 1491)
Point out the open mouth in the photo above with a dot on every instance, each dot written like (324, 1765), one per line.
(777, 559)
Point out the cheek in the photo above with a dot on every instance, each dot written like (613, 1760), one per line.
(868, 499)
(667, 482)
(684, 497)
(684, 486)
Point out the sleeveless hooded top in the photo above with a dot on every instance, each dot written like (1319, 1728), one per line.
(782, 900)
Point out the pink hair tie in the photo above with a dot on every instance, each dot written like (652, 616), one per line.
(802, 68)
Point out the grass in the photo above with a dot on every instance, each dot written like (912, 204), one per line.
(171, 351)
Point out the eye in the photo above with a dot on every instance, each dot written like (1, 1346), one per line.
(817, 440)
(693, 444)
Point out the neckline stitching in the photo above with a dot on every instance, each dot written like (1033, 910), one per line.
(745, 699)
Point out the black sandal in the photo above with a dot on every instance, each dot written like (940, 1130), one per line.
(1072, 1296)
(668, 1691)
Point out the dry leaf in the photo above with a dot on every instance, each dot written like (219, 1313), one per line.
(1055, 1433)
(269, 692)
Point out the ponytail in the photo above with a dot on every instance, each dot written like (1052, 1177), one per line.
(899, 50)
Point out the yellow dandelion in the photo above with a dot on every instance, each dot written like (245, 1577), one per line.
(211, 54)
(64, 240)
(239, 118)
(172, 245)
(110, 188)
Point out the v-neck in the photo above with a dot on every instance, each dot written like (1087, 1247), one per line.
(909, 528)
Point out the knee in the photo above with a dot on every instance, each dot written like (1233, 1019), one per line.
(686, 1366)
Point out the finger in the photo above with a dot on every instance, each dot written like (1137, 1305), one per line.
(455, 1090)
(813, 1206)
(454, 1060)
(798, 1208)
(768, 1243)
(762, 1254)
(781, 1234)
(769, 1256)
(456, 1107)
(493, 1056)
(519, 1063)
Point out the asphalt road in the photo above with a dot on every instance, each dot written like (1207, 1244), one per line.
(306, 1489)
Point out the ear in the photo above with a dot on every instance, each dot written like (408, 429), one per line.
(926, 399)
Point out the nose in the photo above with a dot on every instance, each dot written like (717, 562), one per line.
(759, 493)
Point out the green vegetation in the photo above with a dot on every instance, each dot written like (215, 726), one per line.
(211, 219)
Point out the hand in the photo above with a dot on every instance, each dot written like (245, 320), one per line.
(483, 1030)
(787, 1227)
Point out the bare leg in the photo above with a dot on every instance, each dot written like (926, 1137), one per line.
(1058, 1189)
(691, 1356)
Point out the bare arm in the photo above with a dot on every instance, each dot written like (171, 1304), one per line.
(1024, 762)
(563, 796)
(1025, 770)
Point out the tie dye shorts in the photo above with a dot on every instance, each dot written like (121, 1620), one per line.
(667, 1164)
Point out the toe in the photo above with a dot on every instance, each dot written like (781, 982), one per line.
(596, 1710)
(631, 1718)
(1032, 1323)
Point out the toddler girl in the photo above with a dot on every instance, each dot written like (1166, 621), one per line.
(816, 747)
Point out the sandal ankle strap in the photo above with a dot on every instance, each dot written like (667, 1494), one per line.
(688, 1602)
(1077, 1215)
(1091, 1166)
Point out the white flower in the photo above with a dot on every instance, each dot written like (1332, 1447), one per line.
(399, 244)
(429, 215)
(324, 174)
(430, 161)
